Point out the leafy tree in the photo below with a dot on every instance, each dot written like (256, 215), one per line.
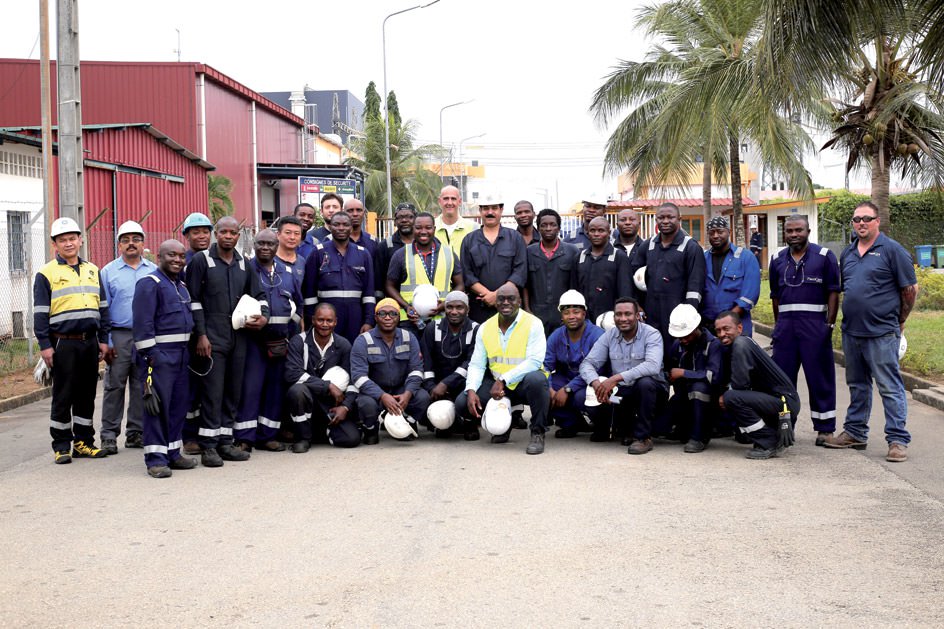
(394, 110)
(219, 188)
(371, 103)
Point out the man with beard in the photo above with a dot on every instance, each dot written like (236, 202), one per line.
(550, 263)
(403, 217)
(196, 231)
(566, 349)
(118, 279)
(492, 257)
(341, 274)
(626, 234)
(804, 291)
(162, 326)
(305, 213)
(593, 206)
(601, 272)
(524, 216)
(451, 227)
(321, 411)
(732, 278)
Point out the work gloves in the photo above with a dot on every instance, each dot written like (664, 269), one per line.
(785, 436)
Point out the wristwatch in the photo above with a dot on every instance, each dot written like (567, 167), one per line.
(831, 326)
(568, 390)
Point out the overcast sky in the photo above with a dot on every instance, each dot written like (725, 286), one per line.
(531, 68)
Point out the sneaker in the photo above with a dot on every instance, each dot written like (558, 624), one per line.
(133, 440)
(271, 446)
(640, 446)
(229, 452)
(183, 463)
(301, 447)
(844, 440)
(821, 438)
(82, 451)
(192, 447)
(537, 443)
(110, 446)
(62, 457)
(759, 454)
(159, 471)
(897, 453)
(211, 458)
(693, 447)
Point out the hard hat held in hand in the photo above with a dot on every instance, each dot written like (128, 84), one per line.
(607, 320)
(441, 414)
(338, 377)
(496, 419)
(683, 320)
(247, 307)
(425, 300)
(639, 278)
(397, 426)
(591, 397)
(902, 347)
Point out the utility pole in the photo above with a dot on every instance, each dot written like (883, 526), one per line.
(45, 97)
(71, 180)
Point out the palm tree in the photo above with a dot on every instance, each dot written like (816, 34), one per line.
(695, 97)
(219, 188)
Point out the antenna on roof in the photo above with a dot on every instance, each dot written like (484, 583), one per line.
(177, 50)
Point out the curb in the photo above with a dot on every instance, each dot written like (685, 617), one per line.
(924, 391)
(22, 400)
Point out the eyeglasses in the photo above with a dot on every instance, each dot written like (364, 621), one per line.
(126, 239)
(387, 314)
(863, 219)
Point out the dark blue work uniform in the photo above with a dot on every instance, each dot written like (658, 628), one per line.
(344, 281)
(693, 409)
(737, 284)
(492, 264)
(257, 419)
(579, 238)
(446, 355)
(548, 279)
(801, 335)
(562, 361)
(602, 279)
(162, 324)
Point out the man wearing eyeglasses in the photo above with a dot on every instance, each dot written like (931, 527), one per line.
(880, 287)
(118, 279)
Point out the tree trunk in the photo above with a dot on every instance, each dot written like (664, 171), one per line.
(737, 218)
(880, 183)
(706, 189)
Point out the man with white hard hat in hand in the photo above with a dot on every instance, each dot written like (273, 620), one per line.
(119, 278)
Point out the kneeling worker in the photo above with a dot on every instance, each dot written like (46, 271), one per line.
(311, 396)
(507, 362)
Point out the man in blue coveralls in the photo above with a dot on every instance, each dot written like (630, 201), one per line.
(162, 326)
(732, 276)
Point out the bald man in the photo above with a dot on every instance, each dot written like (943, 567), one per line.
(359, 236)
(451, 226)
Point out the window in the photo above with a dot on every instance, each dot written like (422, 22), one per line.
(692, 227)
(17, 224)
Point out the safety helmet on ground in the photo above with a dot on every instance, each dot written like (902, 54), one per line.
(64, 225)
(396, 426)
(595, 199)
(247, 307)
(607, 320)
(425, 300)
(496, 418)
(683, 320)
(338, 377)
(492, 198)
(639, 278)
(130, 227)
(902, 347)
(572, 298)
(196, 220)
(441, 414)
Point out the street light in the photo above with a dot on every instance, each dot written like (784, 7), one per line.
(442, 158)
(387, 102)
(464, 178)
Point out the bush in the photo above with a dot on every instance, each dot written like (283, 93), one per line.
(930, 290)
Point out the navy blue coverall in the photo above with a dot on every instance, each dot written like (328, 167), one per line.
(344, 281)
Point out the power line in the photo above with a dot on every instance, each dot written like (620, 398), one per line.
(22, 70)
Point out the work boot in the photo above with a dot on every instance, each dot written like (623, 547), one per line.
(517, 420)
(502, 438)
(159, 471)
(301, 447)
(471, 435)
(844, 440)
(537, 443)
(271, 446)
(133, 440)
(244, 446)
(211, 458)
(758, 453)
(229, 452)
(110, 446)
(371, 436)
(192, 447)
(82, 451)
(183, 463)
(821, 438)
(897, 453)
(565, 433)
(62, 457)
(600, 436)
(640, 446)
(694, 446)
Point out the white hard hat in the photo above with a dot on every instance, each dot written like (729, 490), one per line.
(397, 426)
(247, 307)
(130, 227)
(683, 320)
(492, 198)
(639, 278)
(595, 198)
(572, 298)
(64, 225)
(902, 347)
(441, 414)
(607, 321)
(591, 397)
(425, 300)
(338, 377)
(496, 418)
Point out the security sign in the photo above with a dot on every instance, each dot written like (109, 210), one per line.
(311, 189)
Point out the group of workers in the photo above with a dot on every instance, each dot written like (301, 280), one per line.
(326, 335)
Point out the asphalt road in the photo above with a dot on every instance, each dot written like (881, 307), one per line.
(434, 533)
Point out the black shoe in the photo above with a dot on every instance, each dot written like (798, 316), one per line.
(371, 436)
(472, 435)
(211, 458)
(599, 437)
(301, 447)
(271, 446)
(626, 441)
(183, 463)
(443, 434)
(517, 420)
(693, 446)
(537, 443)
(502, 438)
(159, 471)
(110, 446)
(742, 438)
(230, 452)
(758, 453)
(565, 433)
(133, 440)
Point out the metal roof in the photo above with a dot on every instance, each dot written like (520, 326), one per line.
(690, 202)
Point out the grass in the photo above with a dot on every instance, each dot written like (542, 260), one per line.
(14, 355)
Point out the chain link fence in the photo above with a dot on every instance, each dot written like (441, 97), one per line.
(22, 253)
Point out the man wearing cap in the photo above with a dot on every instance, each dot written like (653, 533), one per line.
(321, 410)
(341, 273)
(675, 269)
(403, 217)
(217, 279)
(693, 368)
(626, 235)
(451, 226)
(257, 418)
(387, 369)
(601, 272)
(759, 391)
(71, 323)
(162, 325)
(566, 348)
(524, 216)
(732, 278)
(197, 228)
(447, 348)
(507, 362)
(804, 292)
(305, 213)
(550, 263)
(633, 351)
(593, 206)
(423, 261)
(492, 257)
(118, 279)
(359, 236)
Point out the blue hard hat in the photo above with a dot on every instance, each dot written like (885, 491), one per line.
(196, 220)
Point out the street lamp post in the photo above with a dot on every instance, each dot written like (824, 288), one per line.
(442, 158)
(386, 120)
(464, 178)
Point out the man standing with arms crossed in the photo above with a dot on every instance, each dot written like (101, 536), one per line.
(880, 288)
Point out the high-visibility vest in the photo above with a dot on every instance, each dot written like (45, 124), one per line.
(516, 352)
(72, 295)
(416, 274)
